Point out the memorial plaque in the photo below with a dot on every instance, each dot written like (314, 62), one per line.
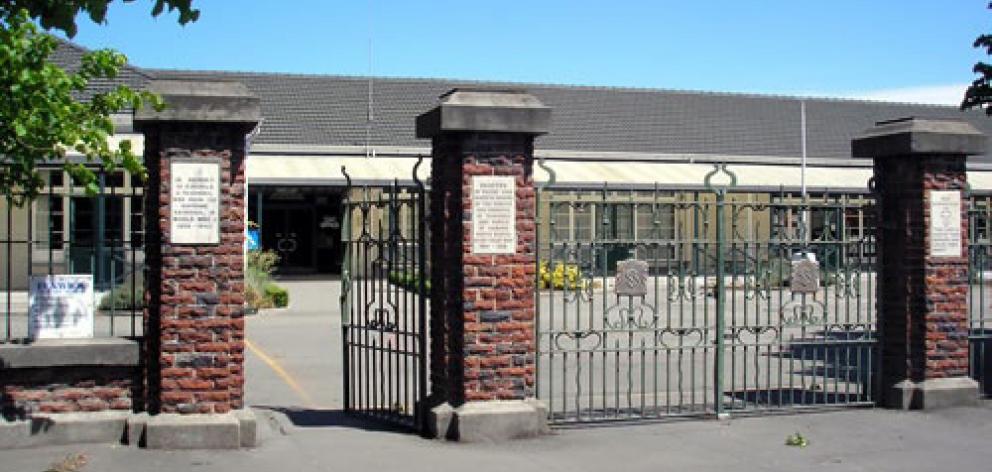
(195, 195)
(945, 223)
(60, 306)
(805, 276)
(632, 278)
(494, 211)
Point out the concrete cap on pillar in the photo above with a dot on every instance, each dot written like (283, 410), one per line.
(486, 110)
(909, 136)
(202, 101)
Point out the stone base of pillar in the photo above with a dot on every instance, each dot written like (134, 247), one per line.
(231, 430)
(489, 421)
(57, 429)
(932, 394)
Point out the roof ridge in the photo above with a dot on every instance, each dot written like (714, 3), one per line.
(83, 49)
(551, 85)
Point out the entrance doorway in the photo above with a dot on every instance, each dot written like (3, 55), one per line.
(302, 225)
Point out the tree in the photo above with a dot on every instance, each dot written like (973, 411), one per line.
(979, 93)
(42, 116)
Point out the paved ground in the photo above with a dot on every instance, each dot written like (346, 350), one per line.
(294, 387)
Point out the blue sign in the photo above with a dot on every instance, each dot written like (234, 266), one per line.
(253, 241)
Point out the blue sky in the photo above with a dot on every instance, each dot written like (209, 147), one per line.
(909, 50)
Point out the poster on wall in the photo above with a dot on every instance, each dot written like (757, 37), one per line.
(60, 307)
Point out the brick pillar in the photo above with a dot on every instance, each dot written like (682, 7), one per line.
(194, 275)
(483, 256)
(920, 182)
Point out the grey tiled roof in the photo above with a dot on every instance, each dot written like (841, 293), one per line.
(68, 56)
(331, 110)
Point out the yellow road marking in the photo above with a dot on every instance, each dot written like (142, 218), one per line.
(285, 376)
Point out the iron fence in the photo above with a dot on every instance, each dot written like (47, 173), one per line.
(980, 293)
(720, 323)
(66, 231)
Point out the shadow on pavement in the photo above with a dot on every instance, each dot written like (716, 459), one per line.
(307, 418)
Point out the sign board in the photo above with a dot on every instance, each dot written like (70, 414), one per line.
(632, 278)
(60, 307)
(195, 209)
(945, 223)
(253, 241)
(494, 212)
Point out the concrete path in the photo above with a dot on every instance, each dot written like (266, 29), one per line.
(294, 386)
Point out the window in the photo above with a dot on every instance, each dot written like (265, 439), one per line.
(50, 227)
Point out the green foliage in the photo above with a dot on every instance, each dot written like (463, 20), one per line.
(278, 295)
(979, 93)
(776, 273)
(126, 296)
(41, 115)
(561, 276)
(61, 14)
(408, 281)
(796, 440)
(260, 290)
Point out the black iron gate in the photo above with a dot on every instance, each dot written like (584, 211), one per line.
(657, 303)
(980, 293)
(384, 288)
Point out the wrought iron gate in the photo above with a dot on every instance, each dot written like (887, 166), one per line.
(384, 287)
(658, 304)
(980, 293)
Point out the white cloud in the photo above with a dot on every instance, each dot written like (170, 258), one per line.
(950, 94)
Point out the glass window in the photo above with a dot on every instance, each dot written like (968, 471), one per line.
(137, 221)
(562, 214)
(582, 218)
(49, 227)
(622, 221)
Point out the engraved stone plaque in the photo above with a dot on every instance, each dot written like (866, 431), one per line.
(195, 195)
(494, 211)
(632, 278)
(945, 223)
(805, 276)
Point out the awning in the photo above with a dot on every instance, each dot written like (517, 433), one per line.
(324, 170)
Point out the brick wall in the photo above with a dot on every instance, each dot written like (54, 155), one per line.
(488, 300)
(934, 345)
(68, 389)
(195, 317)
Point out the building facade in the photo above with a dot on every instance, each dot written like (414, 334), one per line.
(622, 149)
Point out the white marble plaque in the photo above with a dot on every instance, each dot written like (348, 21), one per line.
(945, 223)
(195, 195)
(60, 306)
(494, 211)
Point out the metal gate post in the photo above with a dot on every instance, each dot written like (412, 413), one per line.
(346, 289)
(721, 297)
(720, 303)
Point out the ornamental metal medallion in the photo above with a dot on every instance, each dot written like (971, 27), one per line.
(805, 276)
(632, 278)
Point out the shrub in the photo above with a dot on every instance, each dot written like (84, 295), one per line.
(126, 296)
(562, 276)
(278, 295)
(408, 281)
(260, 290)
(775, 273)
